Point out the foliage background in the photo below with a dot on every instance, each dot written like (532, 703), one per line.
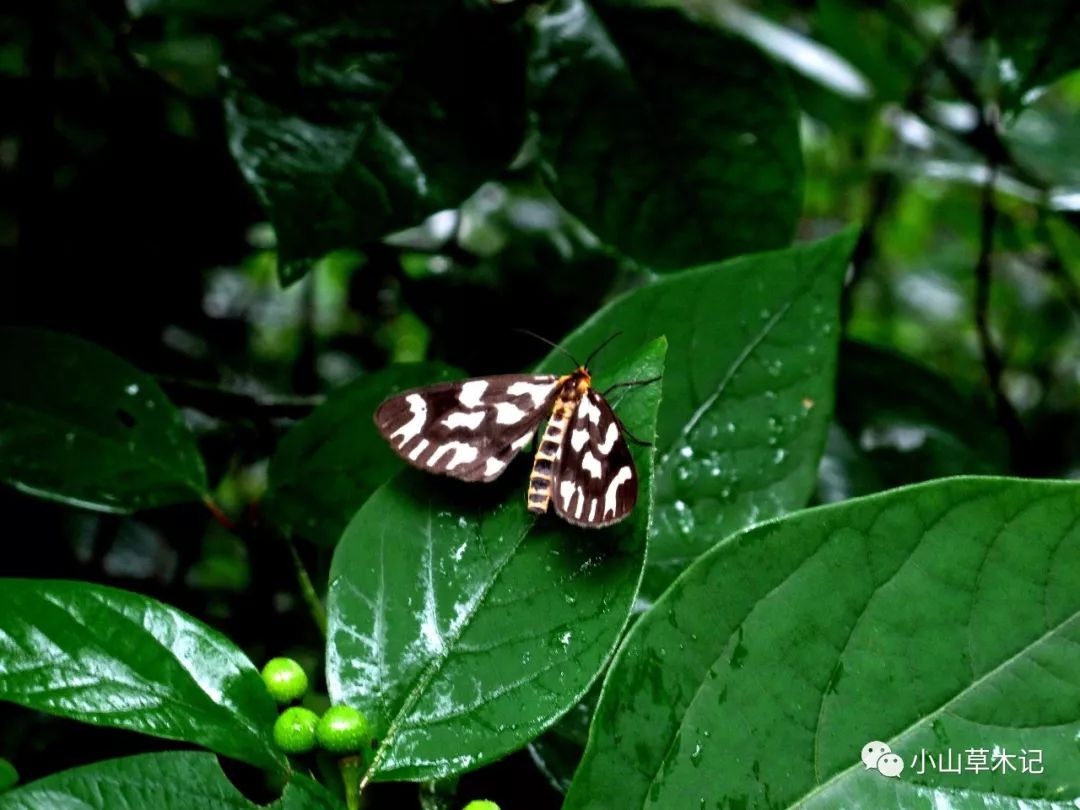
(175, 191)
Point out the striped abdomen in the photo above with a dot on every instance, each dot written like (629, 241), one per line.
(548, 452)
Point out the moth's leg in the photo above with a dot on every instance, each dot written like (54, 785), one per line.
(629, 384)
(631, 436)
(623, 427)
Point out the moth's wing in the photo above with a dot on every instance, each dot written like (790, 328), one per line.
(468, 429)
(594, 480)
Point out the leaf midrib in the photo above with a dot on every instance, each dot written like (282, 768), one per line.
(733, 369)
(428, 673)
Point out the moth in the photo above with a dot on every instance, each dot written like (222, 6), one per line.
(472, 429)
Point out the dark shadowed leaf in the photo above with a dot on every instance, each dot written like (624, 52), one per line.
(748, 392)
(329, 463)
(196, 8)
(354, 122)
(461, 626)
(941, 617)
(80, 425)
(1040, 41)
(173, 780)
(912, 424)
(844, 472)
(675, 143)
(114, 658)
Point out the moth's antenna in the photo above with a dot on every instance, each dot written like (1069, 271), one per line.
(596, 351)
(555, 346)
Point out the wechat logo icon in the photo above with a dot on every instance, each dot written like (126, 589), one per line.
(877, 756)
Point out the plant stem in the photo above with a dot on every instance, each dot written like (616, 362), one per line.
(247, 530)
(350, 775)
(307, 590)
(991, 358)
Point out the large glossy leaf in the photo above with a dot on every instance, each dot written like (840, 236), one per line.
(748, 393)
(114, 658)
(353, 122)
(82, 426)
(329, 463)
(941, 617)
(1040, 41)
(675, 143)
(461, 627)
(173, 780)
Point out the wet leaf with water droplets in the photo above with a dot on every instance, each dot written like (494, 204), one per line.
(171, 780)
(113, 658)
(449, 622)
(943, 616)
(328, 464)
(80, 425)
(748, 392)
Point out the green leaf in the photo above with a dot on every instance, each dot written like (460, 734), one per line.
(672, 142)
(172, 780)
(1040, 41)
(328, 464)
(748, 392)
(82, 426)
(352, 123)
(911, 423)
(113, 658)
(462, 627)
(1044, 137)
(940, 617)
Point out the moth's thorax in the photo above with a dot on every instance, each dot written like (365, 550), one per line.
(572, 388)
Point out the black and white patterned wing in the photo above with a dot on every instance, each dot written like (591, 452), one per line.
(594, 481)
(469, 429)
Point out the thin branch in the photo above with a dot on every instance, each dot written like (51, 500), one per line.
(226, 404)
(307, 590)
(883, 187)
(992, 361)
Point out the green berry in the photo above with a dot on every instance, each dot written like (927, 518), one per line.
(9, 777)
(343, 730)
(294, 730)
(481, 804)
(285, 679)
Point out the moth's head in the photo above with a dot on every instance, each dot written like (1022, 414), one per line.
(582, 379)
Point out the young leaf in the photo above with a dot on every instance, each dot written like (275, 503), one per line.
(940, 617)
(748, 392)
(462, 627)
(330, 462)
(81, 426)
(674, 143)
(171, 780)
(114, 658)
